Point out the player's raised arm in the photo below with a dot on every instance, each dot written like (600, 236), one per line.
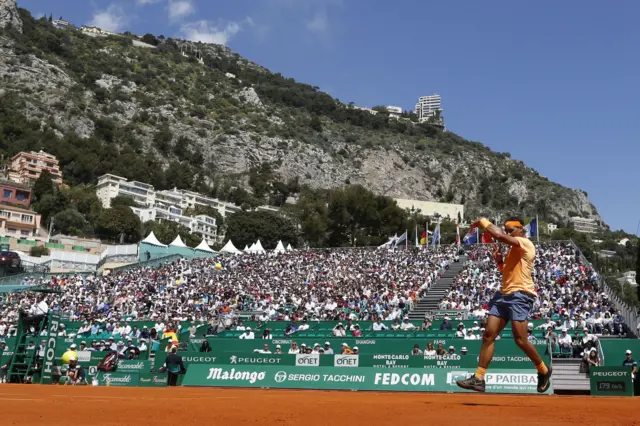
(498, 234)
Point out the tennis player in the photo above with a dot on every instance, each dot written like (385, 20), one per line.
(512, 302)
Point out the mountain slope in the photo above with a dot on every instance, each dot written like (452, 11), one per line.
(104, 105)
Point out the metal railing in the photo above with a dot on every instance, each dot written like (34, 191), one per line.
(629, 313)
(148, 263)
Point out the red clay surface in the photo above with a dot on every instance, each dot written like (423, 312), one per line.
(28, 405)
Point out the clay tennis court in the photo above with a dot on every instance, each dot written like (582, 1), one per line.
(28, 405)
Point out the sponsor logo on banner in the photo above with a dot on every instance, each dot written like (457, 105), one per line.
(365, 342)
(50, 352)
(93, 370)
(280, 377)
(118, 379)
(233, 359)
(84, 356)
(131, 366)
(307, 360)
(611, 373)
(200, 359)
(454, 376)
(153, 380)
(416, 379)
(235, 375)
(345, 360)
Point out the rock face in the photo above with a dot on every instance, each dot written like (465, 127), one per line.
(9, 15)
(235, 124)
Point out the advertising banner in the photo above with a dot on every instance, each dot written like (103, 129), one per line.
(611, 381)
(333, 378)
(152, 380)
(117, 379)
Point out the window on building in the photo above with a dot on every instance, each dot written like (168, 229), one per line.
(25, 233)
(27, 218)
(4, 214)
(21, 196)
(7, 193)
(31, 172)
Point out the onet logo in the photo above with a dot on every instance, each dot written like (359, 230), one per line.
(280, 377)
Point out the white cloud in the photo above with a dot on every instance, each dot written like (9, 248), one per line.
(207, 32)
(111, 19)
(319, 24)
(179, 9)
(144, 2)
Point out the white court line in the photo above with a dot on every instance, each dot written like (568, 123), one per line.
(21, 399)
(148, 398)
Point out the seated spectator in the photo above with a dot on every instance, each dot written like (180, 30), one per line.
(294, 349)
(430, 351)
(205, 347)
(356, 331)
(327, 349)
(416, 350)
(248, 334)
(441, 351)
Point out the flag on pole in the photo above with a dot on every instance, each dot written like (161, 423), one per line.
(436, 236)
(402, 238)
(417, 243)
(423, 238)
(471, 237)
(531, 228)
(457, 233)
(487, 238)
(390, 243)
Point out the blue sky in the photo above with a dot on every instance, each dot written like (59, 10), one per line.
(555, 83)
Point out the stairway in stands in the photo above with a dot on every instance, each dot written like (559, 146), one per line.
(567, 376)
(437, 291)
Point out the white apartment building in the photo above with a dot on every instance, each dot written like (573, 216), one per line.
(587, 226)
(394, 111)
(427, 107)
(167, 204)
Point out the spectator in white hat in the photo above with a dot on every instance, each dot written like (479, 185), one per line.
(463, 351)
(248, 334)
(406, 325)
(278, 350)
(355, 350)
(327, 348)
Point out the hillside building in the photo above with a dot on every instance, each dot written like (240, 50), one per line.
(29, 165)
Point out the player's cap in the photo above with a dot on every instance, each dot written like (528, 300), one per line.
(345, 345)
(628, 352)
(277, 346)
(73, 346)
(72, 359)
(304, 345)
(316, 344)
(464, 349)
(451, 347)
(355, 348)
(327, 344)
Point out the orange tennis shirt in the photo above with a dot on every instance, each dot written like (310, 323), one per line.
(517, 268)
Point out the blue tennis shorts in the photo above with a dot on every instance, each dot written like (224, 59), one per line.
(511, 307)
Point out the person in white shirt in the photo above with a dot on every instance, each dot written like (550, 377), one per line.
(475, 327)
(240, 326)
(430, 351)
(339, 331)
(564, 340)
(316, 348)
(470, 335)
(294, 349)
(304, 326)
(378, 326)
(248, 334)
(327, 348)
(406, 325)
(264, 350)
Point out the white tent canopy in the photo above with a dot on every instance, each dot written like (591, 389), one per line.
(279, 247)
(289, 247)
(246, 249)
(252, 249)
(178, 242)
(258, 247)
(230, 248)
(151, 239)
(203, 246)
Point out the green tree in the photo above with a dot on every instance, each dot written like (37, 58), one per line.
(38, 251)
(316, 124)
(116, 222)
(245, 228)
(42, 186)
(123, 200)
(70, 222)
(150, 39)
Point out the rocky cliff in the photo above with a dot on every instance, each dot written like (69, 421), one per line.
(201, 116)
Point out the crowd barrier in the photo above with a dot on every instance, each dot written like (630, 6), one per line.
(363, 378)
(470, 361)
